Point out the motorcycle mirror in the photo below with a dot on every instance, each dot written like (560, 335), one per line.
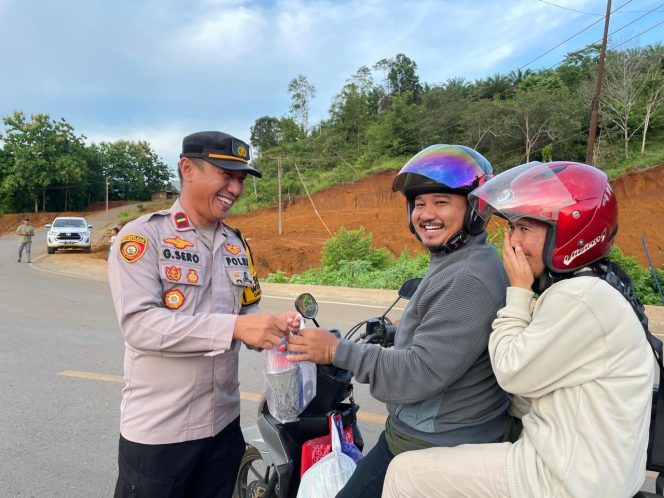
(409, 287)
(306, 305)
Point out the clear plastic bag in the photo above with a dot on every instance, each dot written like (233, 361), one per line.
(290, 385)
(326, 477)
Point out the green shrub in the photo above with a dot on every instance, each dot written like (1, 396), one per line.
(347, 245)
(277, 278)
(642, 278)
(350, 261)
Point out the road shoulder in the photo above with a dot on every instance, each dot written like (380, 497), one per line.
(94, 267)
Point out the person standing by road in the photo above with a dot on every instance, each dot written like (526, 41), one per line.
(25, 233)
(186, 295)
(437, 380)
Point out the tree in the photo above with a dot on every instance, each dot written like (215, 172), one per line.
(265, 134)
(495, 87)
(579, 66)
(401, 76)
(622, 91)
(481, 123)
(301, 92)
(398, 131)
(44, 163)
(654, 89)
(133, 169)
(538, 113)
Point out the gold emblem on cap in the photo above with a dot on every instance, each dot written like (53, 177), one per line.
(242, 151)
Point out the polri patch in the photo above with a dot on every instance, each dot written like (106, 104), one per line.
(179, 243)
(173, 299)
(181, 220)
(132, 247)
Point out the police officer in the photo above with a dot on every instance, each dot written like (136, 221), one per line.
(25, 233)
(186, 295)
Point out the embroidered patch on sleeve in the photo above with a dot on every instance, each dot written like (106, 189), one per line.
(173, 299)
(132, 247)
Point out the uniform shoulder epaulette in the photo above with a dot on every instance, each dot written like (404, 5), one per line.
(147, 217)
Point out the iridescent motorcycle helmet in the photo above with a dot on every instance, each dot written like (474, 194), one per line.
(441, 168)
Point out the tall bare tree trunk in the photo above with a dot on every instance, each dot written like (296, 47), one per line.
(646, 123)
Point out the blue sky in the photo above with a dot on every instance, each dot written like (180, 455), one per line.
(157, 70)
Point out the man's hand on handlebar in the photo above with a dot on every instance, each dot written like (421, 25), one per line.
(317, 345)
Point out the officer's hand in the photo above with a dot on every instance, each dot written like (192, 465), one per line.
(317, 345)
(260, 330)
(294, 321)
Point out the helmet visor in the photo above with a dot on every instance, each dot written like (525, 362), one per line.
(532, 190)
(453, 166)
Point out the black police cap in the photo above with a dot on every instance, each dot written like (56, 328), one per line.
(221, 149)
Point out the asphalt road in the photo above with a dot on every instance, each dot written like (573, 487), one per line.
(60, 377)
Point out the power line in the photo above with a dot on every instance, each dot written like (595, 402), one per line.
(639, 34)
(573, 10)
(589, 13)
(573, 36)
(632, 22)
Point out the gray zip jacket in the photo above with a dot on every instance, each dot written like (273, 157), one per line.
(437, 381)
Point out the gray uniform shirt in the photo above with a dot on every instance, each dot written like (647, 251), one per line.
(437, 381)
(177, 298)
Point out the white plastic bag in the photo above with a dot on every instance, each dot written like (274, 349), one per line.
(326, 477)
(290, 386)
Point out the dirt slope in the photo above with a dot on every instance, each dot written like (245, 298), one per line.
(371, 203)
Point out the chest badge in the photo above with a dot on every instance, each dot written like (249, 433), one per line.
(179, 243)
(173, 299)
(234, 250)
(173, 273)
(192, 276)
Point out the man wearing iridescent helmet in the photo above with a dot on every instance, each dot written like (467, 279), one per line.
(575, 359)
(437, 381)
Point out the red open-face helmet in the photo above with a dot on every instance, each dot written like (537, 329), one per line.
(575, 200)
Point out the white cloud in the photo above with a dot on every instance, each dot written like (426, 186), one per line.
(159, 69)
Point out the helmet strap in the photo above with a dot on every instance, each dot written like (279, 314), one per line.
(455, 242)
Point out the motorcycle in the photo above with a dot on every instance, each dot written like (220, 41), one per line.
(271, 462)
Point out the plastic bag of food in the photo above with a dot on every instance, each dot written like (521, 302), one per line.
(326, 477)
(290, 385)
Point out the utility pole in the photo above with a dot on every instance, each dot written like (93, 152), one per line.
(279, 182)
(106, 201)
(592, 130)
